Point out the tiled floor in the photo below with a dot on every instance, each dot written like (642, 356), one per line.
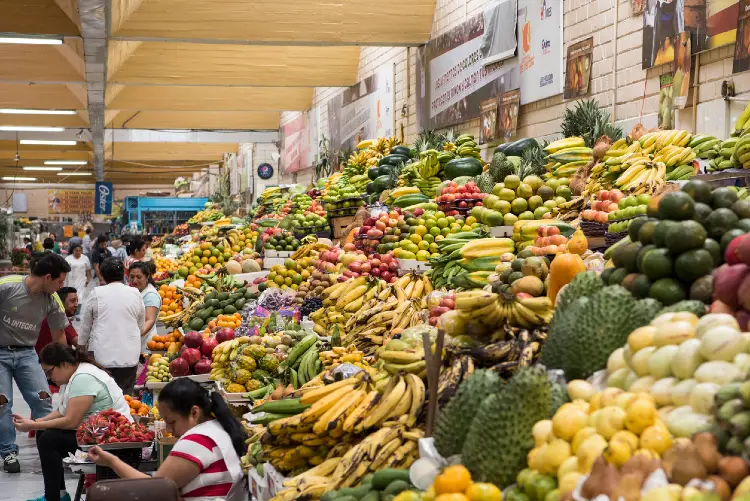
(28, 483)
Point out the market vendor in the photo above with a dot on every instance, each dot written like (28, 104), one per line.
(86, 389)
(140, 277)
(205, 461)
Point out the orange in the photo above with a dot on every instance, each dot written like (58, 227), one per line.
(455, 478)
(484, 492)
(455, 496)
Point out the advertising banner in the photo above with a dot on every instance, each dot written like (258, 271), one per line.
(488, 126)
(510, 103)
(665, 100)
(70, 201)
(104, 196)
(578, 76)
(681, 81)
(500, 42)
(299, 142)
(454, 78)
(742, 47)
(540, 36)
(362, 111)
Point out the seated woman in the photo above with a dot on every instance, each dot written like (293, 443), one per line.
(205, 461)
(88, 389)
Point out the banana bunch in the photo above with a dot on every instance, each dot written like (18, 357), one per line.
(177, 319)
(673, 156)
(743, 122)
(389, 447)
(741, 153)
(446, 156)
(340, 355)
(233, 236)
(428, 166)
(224, 353)
(641, 175)
(451, 377)
(358, 163)
(705, 146)
(466, 146)
(726, 157)
(514, 347)
(399, 358)
(656, 141)
(566, 156)
(479, 312)
(428, 186)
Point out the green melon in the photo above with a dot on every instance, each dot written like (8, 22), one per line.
(660, 233)
(713, 247)
(723, 197)
(720, 221)
(667, 291)
(657, 264)
(700, 191)
(676, 205)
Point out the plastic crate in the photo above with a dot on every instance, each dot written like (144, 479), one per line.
(132, 457)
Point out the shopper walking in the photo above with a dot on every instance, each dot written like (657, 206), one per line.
(80, 273)
(117, 249)
(204, 463)
(99, 254)
(56, 244)
(136, 251)
(86, 242)
(86, 389)
(140, 277)
(24, 304)
(74, 240)
(113, 320)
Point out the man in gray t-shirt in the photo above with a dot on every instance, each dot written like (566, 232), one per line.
(24, 304)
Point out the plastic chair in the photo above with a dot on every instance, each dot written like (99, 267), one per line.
(162, 489)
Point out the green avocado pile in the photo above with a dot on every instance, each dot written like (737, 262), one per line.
(218, 303)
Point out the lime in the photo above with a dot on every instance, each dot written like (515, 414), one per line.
(413, 248)
(455, 226)
(416, 238)
(443, 222)
(430, 223)
(434, 248)
(446, 231)
(435, 231)
(451, 219)
(475, 225)
(423, 255)
(466, 227)
(429, 238)
(439, 214)
(423, 245)
(439, 238)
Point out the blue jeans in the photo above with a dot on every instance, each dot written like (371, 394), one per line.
(23, 366)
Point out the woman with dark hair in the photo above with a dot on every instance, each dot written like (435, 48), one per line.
(205, 461)
(113, 320)
(86, 389)
(136, 249)
(48, 245)
(55, 243)
(140, 277)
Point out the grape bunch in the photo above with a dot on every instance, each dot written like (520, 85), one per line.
(310, 305)
(247, 313)
(275, 299)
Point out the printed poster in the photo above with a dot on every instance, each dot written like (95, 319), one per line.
(362, 111)
(578, 74)
(510, 104)
(70, 201)
(665, 100)
(681, 80)
(540, 54)
(742, 46)
(453, 77)
(488, 129)
(299, 142)
(663, 21)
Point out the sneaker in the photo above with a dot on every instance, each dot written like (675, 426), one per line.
(66, 497)
(11, 464)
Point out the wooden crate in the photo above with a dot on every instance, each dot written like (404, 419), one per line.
(340, 224)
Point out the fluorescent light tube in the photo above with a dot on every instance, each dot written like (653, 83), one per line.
(12, 178)
(20, 111)
(45, 142)
(74, 173)
(52, 169)
(29, 128)
(65, 162)
(31, 41)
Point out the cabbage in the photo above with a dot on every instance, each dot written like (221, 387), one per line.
(718, 372)
(659, 364)
(687, 359)
(721, 343)
(681, 392)
(639, 361)
(708, 322)
(662, 391)
(702, 397)
(616, 361)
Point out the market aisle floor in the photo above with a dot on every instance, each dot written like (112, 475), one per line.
(28, 484)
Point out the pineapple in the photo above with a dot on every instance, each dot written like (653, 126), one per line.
(589, 121)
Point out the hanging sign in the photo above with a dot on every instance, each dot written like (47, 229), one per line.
(540, 54)
(70, 201)
(488, 125)
(104, 196)
(578, 76)
(510, 103)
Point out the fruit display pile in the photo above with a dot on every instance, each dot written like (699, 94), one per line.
(110, 426)
(568, 320)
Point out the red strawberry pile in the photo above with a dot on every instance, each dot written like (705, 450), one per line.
(110, 426)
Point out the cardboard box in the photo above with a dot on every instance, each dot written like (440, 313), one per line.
(340, 224)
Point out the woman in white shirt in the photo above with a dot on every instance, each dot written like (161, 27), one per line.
(112, 323)
(205, 461)
(79, 275)
(139, 274)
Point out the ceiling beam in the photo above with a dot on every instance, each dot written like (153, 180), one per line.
(118, 54)
(72, 51)
(70, 8)
(121, 12)
(80, 93)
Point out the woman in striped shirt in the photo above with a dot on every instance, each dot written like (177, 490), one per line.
(205, 461)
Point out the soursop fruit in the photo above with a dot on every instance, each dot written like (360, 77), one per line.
(255, 351)
(583, 284)
(485, 182)
(499, 438)
(647, 309)
(452, 421)
(690, 305)
(585, 333)
(559, 397)
(500, 167)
